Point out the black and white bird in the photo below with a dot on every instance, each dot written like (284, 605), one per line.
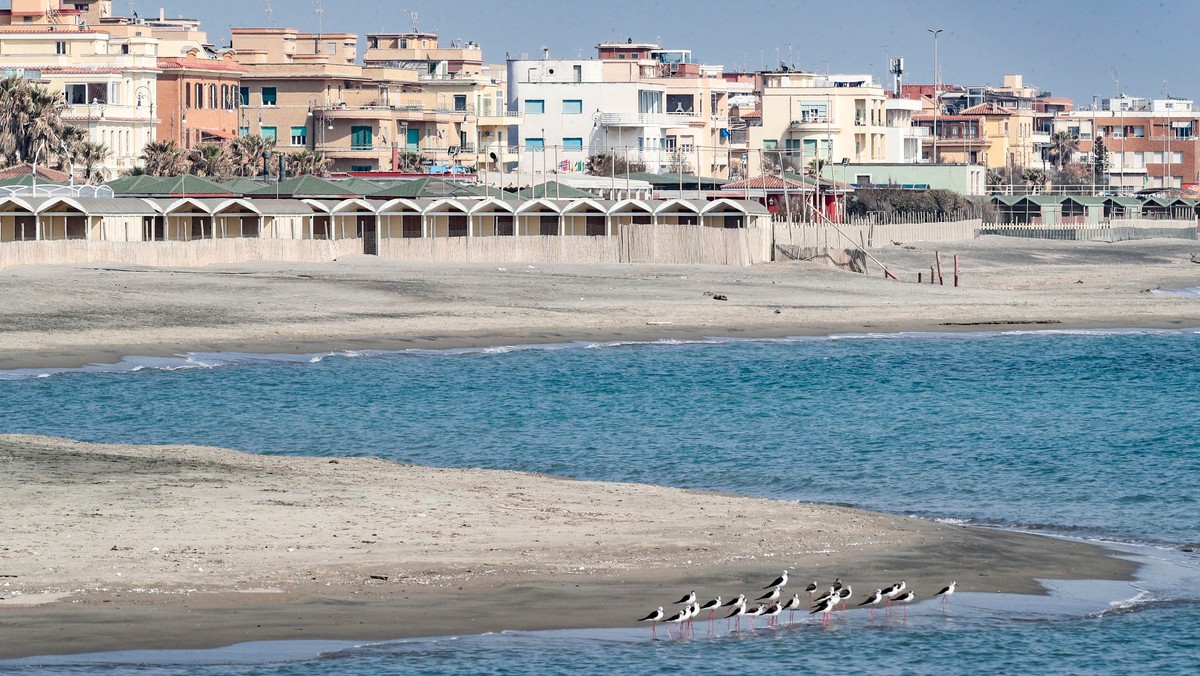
(735, 602)
(711, 607)
(654, 618)
(905, 598)
(678, 618)
(791, 606)
(826, 606)
(893, 591)
(754, 614)
(946, 593)
(837, 584)
(779, 581)
(831, 593)
(736, 614)
(771, 595)
(772, 614)
(812, 587)
(687, 600)
(873, 600)
(845, 593)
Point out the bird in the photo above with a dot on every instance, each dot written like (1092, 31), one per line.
(687, 600)
(711, 607)
(779, 581)
(735, 602)
(753, 615)
(873, 600)
(654, 618)
(827, 595)
(692, 611)
(826, 606)
(837, 584)
(771, 595)
(678, 618)
(905, 598)
(772, 613)
(736, 614)
(844, 594)
(893, 591)
(812, 587)
(791, 606)
(946, 593)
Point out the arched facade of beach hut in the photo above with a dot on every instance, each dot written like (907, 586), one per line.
(587, 217)
(678, 212)
(539, 217)
(731, 214)
(189, 218)
(400, 219)
(493, 217)
(631, 212)
(236, 218)
(18, 220)
(446, 218)
(283, 219)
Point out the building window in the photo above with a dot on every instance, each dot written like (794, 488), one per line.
(187, 96)
(573, 144)
(269, 95)
(200, 96)
(243, 131)
(535, 144)
(649, 102)
(457, 226)
(548, 225)
(572, 107)
(361, 167)
(460, 103)
(681, 103)
(244, 95)
(770, 144)
(360, 138)
(213, 101)
(269, 134)
(299, 136)
(225, 97)
(535, 106)
(60, 48)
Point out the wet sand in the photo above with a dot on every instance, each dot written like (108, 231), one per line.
(126, 547)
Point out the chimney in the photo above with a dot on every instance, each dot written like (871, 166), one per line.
(162, 14)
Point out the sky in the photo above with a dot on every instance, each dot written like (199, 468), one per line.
(1074, 48)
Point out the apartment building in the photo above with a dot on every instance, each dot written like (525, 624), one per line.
(308, 91)
(1151, 143)
(107, 80)
(636, 100)
(806, 117)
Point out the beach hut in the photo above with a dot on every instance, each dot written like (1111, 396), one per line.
(729, 213)
(587, 216)
(93, 219)
(345, 219)
(632, 212)
(18, 219)
(1081, 209)
(400, 218)
(283, 219)
(1122, 207)
(493, 216)
(1034, 209)
(539, 217)
(678, 212)
(446, 217)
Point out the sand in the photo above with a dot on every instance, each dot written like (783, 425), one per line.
(116, 547)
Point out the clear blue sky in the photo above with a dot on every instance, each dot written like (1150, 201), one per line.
(1073, 48)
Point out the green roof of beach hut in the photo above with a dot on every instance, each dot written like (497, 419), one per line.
(428, 188)
(554, 190)
(302, 186)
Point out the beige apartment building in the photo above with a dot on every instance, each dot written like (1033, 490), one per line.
(807, 117)
(307, 91)
(107, 78)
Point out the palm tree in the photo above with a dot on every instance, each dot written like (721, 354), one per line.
(165, 158)
(30, 119)
(1062, 146)
(90, 157)
(212, 160)
(248, 153)
(307, 162)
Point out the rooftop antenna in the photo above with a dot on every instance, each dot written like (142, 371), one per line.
(269, 11)
(320, 17)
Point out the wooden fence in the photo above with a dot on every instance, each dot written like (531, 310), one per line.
(196, 253)
(1119, 230)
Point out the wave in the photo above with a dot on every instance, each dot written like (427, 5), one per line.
(213, 360)
(1188, 291)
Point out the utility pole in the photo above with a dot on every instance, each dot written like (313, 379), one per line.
(937, 93)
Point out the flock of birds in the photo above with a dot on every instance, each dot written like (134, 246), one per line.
(769, 605)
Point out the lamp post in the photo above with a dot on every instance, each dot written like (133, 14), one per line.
(937, 94)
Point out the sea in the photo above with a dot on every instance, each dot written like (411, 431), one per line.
(1089, 434)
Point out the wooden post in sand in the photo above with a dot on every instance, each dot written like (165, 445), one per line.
(932, 279)
(918, 278)
(938, 257)
(956, 271)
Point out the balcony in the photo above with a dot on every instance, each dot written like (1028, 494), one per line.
(634, 120)
(813, 123)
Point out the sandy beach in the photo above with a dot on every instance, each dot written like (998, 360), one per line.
(120, 547)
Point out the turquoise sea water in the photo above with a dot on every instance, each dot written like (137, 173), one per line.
(1082, 434)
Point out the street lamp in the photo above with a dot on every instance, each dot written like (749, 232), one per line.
(147, 96)
(937, 94)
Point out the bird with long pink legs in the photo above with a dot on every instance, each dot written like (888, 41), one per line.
(872, 601)
(654, 618)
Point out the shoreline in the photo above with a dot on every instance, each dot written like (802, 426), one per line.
(138, 570)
